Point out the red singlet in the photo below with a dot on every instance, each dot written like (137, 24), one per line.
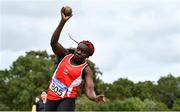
(66, 80)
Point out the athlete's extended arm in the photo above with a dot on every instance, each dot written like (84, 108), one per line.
(57, 48)
(89, 87)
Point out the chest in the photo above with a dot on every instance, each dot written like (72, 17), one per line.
(71, 71)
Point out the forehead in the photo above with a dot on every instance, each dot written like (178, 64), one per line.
(43, 92)
(83, 46)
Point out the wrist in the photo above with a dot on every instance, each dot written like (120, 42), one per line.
(62, 21)
(91, 97)
(94, 98)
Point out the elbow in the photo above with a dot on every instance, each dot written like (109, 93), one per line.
(51, 44)
(53, 40)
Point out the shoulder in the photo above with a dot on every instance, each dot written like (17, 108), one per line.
(59, 59)
(87, 70)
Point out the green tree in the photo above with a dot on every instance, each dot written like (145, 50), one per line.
(166, 90)
(3, 90)
(133, 104)
(176, 105)
(27, 76)
(120, 89)
(102, 87)
(177, 91)
(143, 90)
(150, 105)
(160, 106)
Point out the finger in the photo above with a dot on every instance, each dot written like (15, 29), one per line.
(63, 15)
(104, 100)
(62, 12)
(68, 17)
(62, 9)
(101, 95)
(101, 100)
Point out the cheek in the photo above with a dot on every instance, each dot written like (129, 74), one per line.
(84, 56)
(43, 96)
(75, 51)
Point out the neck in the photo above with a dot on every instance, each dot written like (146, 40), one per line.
(76, 62)
(44, 100)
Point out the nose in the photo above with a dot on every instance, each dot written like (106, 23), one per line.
(79, 51)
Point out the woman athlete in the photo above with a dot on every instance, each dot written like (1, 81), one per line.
(69, 73)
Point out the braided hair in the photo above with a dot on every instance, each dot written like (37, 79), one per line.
(89, 45)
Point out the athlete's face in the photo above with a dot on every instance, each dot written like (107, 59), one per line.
(81, 53)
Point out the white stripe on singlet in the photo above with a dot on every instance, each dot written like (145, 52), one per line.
(76, 82)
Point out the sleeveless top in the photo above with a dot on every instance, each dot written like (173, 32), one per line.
(66, 79)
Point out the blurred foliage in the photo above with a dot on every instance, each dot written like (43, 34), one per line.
(176, 105)
(27, 76)
(167, 90)
(31, 74)
(121, 89)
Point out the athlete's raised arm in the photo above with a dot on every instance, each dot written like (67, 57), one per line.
(57, 48)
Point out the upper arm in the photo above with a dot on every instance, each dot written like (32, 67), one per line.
(59, 50)
(89, 85)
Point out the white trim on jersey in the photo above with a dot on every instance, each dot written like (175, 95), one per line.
(76, 82)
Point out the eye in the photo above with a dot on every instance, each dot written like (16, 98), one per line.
(83, 51)
(78, 49)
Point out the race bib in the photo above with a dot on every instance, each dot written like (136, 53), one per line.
(58, 88)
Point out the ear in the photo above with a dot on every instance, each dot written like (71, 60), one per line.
(87, 56)
(86, 59)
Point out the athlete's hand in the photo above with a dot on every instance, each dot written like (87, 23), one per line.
(100, 98)
(63, 17)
